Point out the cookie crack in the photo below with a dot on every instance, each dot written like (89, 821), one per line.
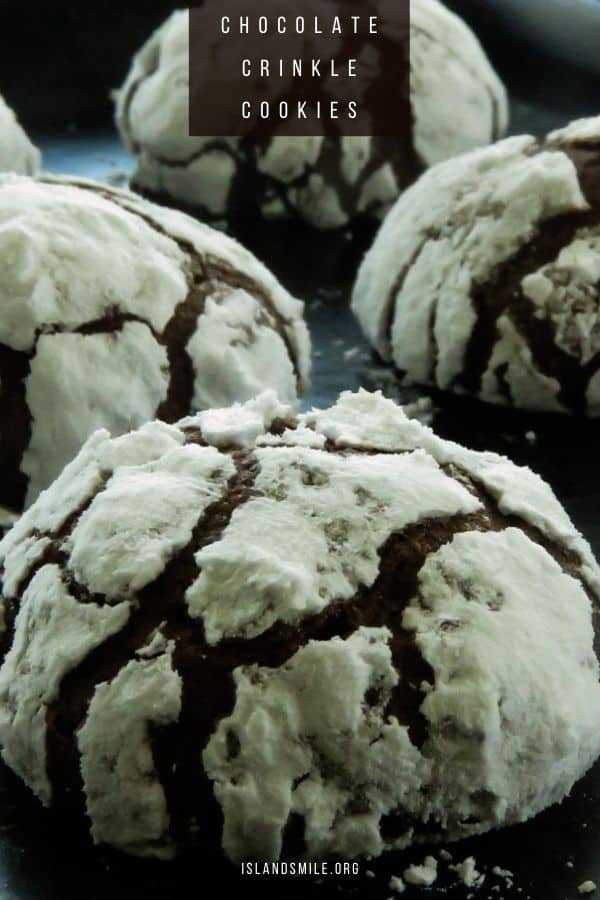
(501, 295)
(204, 268)
(160, 602)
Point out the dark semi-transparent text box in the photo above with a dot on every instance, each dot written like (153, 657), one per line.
(334, 67)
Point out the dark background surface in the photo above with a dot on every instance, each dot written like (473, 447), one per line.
(58, 62)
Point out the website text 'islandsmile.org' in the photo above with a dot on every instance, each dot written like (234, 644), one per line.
(312, 868)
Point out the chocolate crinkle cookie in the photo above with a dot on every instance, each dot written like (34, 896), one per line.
(458, 102)
(330, 634)
(485, 277)
(326, 181)
(114, 312)
(17, 153)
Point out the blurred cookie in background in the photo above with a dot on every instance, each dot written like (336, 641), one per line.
(17, 153)
(458, 101)
(114, 312)
(485, 277)
(326, 181)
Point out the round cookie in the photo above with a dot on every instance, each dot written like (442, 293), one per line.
(485, 277)
(326, 181)
(450, 72)
(17, 153)
(331, 634)
(114, 312)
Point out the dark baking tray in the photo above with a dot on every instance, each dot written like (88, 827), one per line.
(42, 858)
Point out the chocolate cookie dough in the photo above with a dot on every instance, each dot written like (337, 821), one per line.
(270, 635)
(17, 153)
(324, 180)
(485, 277)
(114, 312)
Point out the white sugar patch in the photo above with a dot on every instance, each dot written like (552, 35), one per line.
(310, 534)
(158, 504)
(124, 797)
(53, 634)
(306, 742)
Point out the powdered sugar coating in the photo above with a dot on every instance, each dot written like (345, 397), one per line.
(159, 504)
(369, 421)
(566, 293)
(511, 364)
(67, 400)
(18, 562)
(475, 620)
(310, 535)
(114, 301)
(17, 153)
(242, 424)
(460, 222)
(45, 283)
(580, 131)
(324, 743)
(53, 633)
(449, 70)
(125, 801)
(422, 876)
(85, 475)
(500, 654)
(238, 351)
(294, 175)
(339, 617)
(484, 276)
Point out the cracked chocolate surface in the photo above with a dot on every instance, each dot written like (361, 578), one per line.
(357, 651)
(127, 313)
(512, 315)
(329, 180)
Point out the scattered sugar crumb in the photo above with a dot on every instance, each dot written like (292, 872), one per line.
(397, 884)
(502, 873)
(586, 887)
(352, 353)
(338, 342)
(424, 875)
(444, 854)
(468, 873)
(370, 873)
(531, 437)
(569, 864)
